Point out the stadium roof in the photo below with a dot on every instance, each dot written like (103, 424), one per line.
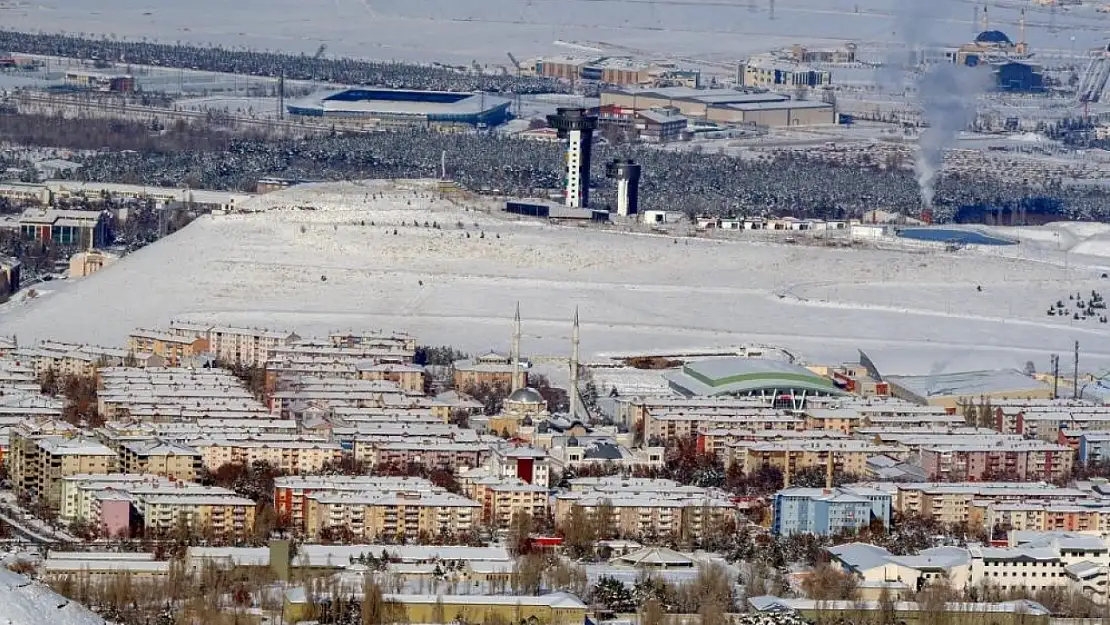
(399, 102)
(743, 376)
(968, 383)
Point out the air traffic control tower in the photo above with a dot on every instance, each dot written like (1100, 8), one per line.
(576, 127)
(627, 174)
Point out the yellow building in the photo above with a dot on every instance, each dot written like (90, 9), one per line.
(953, 503)
(83, 264)
(288, 456)
(650, 514)
(22, 457)
(218, 514)
(176, 462)
(551, 609)
(503, 499)
(173, 348)
(408, 377)
(408, 515)
(848, 456)
(59, 456)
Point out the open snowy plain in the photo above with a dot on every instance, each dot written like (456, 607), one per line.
(911, 312)
(459, 31)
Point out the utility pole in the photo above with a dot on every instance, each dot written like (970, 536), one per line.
(1075, 374)
(1055, 376)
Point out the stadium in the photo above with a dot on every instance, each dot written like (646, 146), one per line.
(406, 107)
(788, 384)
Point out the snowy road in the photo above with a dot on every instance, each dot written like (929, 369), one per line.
(911, 312)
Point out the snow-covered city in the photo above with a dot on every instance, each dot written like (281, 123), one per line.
(521, 312)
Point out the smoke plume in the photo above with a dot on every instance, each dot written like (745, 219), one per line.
(947, 95)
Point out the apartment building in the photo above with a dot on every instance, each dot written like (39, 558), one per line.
(530, 465)
(73, 359)
(643, 507)
(196, 426)
(172, 348)
(408, 516)
(655, 515)
(637, 409)
(78, 490)
(59, 456)
(791, 456)
(717, 441)
(292, 455)
(1094, 448)
(489, 369)
(291, 492)
(409, 378)
(354, 393)
(951, 503)
(502, 499)
(432, 453)
(168, 394)
(665, 426)
(983, 459)
(217, 514)
(827, 511)
(244, 346)
(174, 461)
(1042, 516)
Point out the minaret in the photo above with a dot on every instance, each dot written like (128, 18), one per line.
(574, 368)
(986, 22)
(516, 350)
(1021, 44)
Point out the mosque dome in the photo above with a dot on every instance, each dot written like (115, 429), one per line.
(526, 396)
(996, 37)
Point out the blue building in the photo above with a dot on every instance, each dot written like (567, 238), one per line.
(1094, 447)
(826, 511)
(1019, 77)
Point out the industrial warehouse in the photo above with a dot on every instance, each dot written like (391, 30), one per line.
(396, 107)
(724, 106)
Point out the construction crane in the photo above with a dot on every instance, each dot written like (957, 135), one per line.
(515, 63)
(320, 52)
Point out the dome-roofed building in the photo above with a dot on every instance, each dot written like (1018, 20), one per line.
(524, 406)
(526, 396)
(995, 37)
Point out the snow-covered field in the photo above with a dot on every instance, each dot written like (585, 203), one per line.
(910, 312)
(460, 31)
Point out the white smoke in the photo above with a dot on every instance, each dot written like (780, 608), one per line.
(946, 93)
(948, 96)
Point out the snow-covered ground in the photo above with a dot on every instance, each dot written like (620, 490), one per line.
(910, 312)
(24, 602)
(460, 31)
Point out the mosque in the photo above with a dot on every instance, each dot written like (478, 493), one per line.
(525, 409)
(992, 46)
